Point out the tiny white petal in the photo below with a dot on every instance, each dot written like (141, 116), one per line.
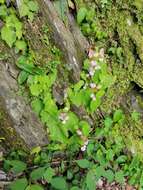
(93, 97)
(79, 132)
(93, 63)
(83, 148)
(91, 72)
(86, 142)
(64, 122)
(92, 85)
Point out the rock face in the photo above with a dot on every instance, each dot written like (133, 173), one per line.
(18, 124)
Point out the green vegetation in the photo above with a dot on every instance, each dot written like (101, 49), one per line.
(77, 148)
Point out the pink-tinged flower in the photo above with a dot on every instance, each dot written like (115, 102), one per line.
(91, 53)
(92, 85)
(93, 63)
(91, 72)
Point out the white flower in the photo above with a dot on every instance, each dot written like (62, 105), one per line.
(92, 85)
(129, 22)
(92, 96)
(101, 53)
(100, 183)
(63, 117)
(93, 63)
(83, 148)
(79, 132)
(64, 122)
(91, 72)
(101, 59)
(97, 67)
(91, 53)
(86, 142)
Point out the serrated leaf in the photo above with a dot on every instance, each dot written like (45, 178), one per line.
(8, 35)
(19, 184)
(81, 15)
(83, 163)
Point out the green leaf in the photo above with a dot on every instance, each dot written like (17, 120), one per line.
(83, 163)
(33, 6)
(118, 115)
(17, 166)
(121, 159)
(24, 10)
(34, 187)
(141, 180)
(135, 116)
(59, 183)
(37, 173)
(24, 64)
(91, 180)
(109, 175)
(21, 45)
(22, 77)
(85, 127)
(81, 15)
(36, 150)
(19, 184)
(119, 177)
(95, 104)
(8, 35)
(78, 85)
(3, 11)
(108, 122)
(99, 171)
(74, 188)
(37, 106)
(35, 89)
(2, 1)
(49, 173)
(110, 154)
